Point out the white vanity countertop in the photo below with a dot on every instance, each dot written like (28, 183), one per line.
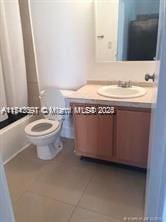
(88, 94)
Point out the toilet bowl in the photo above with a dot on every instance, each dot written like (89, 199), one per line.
(45, 133)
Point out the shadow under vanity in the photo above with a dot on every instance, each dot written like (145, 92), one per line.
(120, 137)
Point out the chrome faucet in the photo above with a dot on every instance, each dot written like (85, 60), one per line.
(125, 84)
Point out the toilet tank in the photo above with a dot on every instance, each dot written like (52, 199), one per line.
(52, 100)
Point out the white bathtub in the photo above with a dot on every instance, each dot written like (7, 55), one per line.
(13, 139)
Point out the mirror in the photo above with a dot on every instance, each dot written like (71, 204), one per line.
(126, 30)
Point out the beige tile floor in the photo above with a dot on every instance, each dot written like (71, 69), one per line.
(68, 189)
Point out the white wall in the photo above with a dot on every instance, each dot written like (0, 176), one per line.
(134, 71)
(61, 34)
(65, 46)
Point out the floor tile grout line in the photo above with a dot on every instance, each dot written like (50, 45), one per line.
(30, 183)
(76, 206)
(84, 190)
(37, 176)
(72, 213)
(21, 195)
(26, 190)
(51, 198)
(97, 212)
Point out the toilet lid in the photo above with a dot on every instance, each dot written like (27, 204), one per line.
(41, 127)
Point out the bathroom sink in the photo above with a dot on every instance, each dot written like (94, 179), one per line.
(115, 91)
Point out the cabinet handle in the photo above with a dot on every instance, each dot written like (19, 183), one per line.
(148, 77)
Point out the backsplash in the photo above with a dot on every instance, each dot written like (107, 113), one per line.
(114, 71)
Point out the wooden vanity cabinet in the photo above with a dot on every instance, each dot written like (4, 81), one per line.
(94, 134)
(132, 137)
(122, 137)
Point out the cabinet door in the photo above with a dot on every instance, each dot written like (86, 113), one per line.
(94, 135)
(105, 137)
(86, 133)
(132, 137)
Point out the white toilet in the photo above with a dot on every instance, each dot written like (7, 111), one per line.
(45, 133)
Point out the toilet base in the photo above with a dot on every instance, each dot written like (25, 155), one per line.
(50, 151)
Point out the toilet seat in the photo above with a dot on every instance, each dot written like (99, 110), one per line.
(42, 127)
